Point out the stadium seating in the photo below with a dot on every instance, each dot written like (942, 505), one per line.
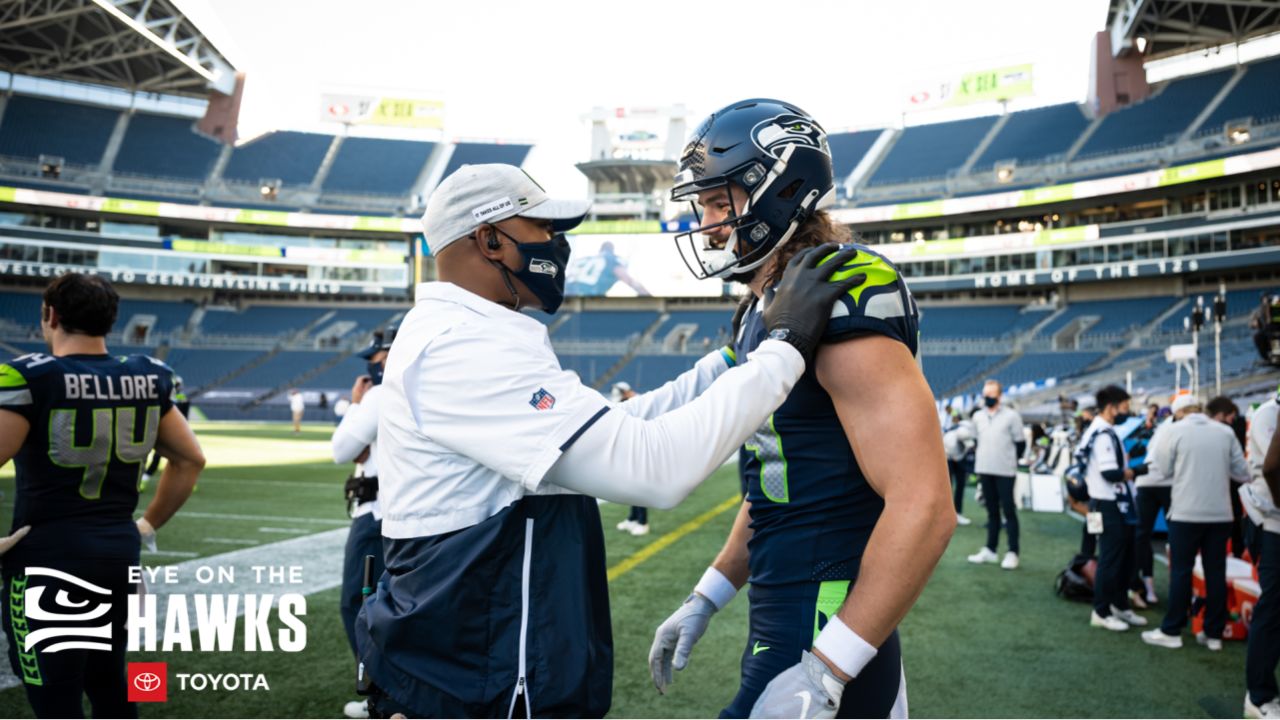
(260, 320)
(1115, 316)
(22, 309)
(975, 322)
(163, 146)
(35, 126)
(1035, 135)
(711, 324)
(293, 157)
(282, 368)
(605, 325)
(931, 151)
(339, 377)
(588, 367)
(1254, 96)
(646, 372)
(170, 316)
(848, 149)
(372, 165)
(944, 372)
(1158, 119)
(201, 366)
(476, 153)
(1034, 367)
(366, 319)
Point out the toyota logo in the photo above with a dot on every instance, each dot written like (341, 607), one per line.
(147, 681)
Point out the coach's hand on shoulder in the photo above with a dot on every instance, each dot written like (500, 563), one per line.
(807, 689)
(675, 637)
(7, 543)
(799, 310)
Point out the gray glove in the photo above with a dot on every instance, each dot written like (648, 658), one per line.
(807, 689)
(799, 310)
(675, 637)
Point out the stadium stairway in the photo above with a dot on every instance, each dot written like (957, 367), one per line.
(224, 379)
(981, 374)
(297, 381)
(632, 350)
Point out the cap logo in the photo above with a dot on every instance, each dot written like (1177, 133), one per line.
(776, 133)
(488, 210)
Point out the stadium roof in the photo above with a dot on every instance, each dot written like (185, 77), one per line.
(1173, 27)
(138, 45)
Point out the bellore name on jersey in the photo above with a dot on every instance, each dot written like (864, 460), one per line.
(125, 387)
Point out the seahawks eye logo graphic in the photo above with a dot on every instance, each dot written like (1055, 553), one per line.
(775, 134)
(74, 618)
(543, 267)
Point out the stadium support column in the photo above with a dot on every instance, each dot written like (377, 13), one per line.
(222, 116)
(1114, 81)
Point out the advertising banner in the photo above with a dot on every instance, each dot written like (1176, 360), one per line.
(992, 85)
(632, 266)
(401, 112)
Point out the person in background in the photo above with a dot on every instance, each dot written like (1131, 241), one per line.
(1153, 496)
(637, 522)
(1000, 444)
(1223, 410)
(1202, 457)
(1262, 699)
(1112, 515)
(958, 441)
(297, 405)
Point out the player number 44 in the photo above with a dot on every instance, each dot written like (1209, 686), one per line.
(112, 428)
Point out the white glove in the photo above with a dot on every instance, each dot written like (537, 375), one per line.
(807, 689)
(675, 637)
(147, 534)
(7, 543)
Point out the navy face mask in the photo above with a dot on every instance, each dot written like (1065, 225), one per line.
(542, 267)
(375, 371)
(989, 401)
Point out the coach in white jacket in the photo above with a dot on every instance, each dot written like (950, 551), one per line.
(1203, 457)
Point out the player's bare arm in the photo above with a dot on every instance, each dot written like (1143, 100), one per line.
(887, 412)
(177, 444)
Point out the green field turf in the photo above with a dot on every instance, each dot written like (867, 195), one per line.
(981, 642)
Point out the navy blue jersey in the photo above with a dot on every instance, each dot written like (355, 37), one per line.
(94, 419)
(812, 510)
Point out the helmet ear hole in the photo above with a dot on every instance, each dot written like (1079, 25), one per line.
(790, 191)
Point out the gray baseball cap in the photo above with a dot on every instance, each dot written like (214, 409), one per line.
(478, 194)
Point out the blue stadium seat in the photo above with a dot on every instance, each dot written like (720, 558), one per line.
(77, 133)
(848, 149)
(605, 325)
(1158, 119)
(1254, 96)
(366, 319)
(376, 166)
(339, 377)
(263, 320)
(944, 371)
(293, 157)
(478, 153)
(1042, 366)
(1035, 135)
(163, 146)
(588, 367)
(710, 323)
(201, 366)
(992, 321)
(282, 368)
(21, 308)
(169, 315)
(931, 151)
(646, 372)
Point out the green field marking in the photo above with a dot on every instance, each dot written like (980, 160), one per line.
(662, 543)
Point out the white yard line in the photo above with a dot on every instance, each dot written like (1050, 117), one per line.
(259, 518)
(229, 541)
(319, 556)
(285, 531)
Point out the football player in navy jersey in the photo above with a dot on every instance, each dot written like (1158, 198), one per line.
(847, 503)
(78, 424)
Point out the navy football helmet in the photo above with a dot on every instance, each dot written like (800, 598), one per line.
(382, 340)
(774, 152)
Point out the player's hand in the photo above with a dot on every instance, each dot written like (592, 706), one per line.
(147, 534)
(807, 689)
(361, 386)
(363, 456)
(7, 543)
(675, 637)
(802, 304)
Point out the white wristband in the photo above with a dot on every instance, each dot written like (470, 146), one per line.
(715, 587)
(843, 647)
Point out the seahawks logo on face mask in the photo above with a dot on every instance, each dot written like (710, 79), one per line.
(775, 134)
(543, 267)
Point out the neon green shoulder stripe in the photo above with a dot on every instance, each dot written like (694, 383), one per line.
(11, 378)
(878, 271)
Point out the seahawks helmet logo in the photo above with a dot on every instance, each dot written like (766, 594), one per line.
(543, 267)
(775, 134)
